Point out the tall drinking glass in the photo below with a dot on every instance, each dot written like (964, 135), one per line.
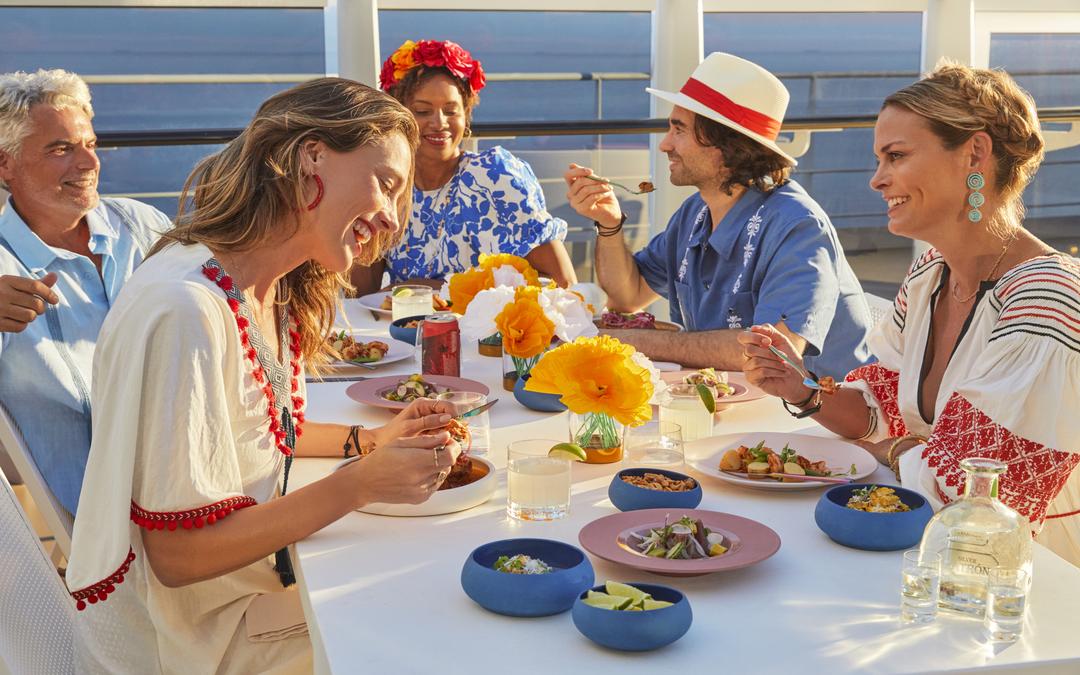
(921, 579)
(682, 405)
(537, 486)
(655, 443)
(1006, 603)
(479, 425)
(408, 300)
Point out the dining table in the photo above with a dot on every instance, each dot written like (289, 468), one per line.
(382, 594)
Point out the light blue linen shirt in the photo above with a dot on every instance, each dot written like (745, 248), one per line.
(45, 370)
(774, 256)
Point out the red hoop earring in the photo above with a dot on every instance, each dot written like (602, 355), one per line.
(318, 195)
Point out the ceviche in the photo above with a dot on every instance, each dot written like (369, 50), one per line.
(716, 382)
(685, 539)
(876, 500)
(410, 389)
(521, 564)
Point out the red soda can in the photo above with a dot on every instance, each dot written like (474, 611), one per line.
(440, 345)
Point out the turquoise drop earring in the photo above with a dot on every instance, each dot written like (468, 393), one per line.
(975, 182)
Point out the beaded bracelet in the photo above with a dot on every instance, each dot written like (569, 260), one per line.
(604, 231)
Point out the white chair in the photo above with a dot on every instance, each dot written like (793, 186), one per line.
(37, 624)
(879, 307)
(59, 521)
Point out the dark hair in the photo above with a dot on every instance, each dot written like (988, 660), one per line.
(748, 163)
(406, 87)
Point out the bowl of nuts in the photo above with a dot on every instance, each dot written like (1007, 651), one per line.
(653, 488)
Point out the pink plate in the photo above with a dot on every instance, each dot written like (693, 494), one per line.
(748, 541)
(744, 391)
(370, 391)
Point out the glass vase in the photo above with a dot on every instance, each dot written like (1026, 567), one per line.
(514, 367)
(600, 434)
(975, 535)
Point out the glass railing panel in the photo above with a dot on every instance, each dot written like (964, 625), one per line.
(1048, 66)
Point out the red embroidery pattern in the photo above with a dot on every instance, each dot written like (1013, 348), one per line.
(1035, 473)
(883, 384)
(204, 515)
(225, 282)
(101, 590)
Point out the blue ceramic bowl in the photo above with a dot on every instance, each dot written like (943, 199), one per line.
(635, 631)
(872, 531)
(527, 594)
(627, 497)
(535, 400)
(398, 331)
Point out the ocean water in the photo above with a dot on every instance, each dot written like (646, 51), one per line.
(799, 47)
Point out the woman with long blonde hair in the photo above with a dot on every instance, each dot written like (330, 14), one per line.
(199, 392)
(981, 354)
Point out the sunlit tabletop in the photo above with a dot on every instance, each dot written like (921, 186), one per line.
(382, 594)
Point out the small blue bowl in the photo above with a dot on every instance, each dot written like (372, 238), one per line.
(872, 531)
(527, 594)
(627, 497)
(535, 400)
(635, 631)
(398, 331)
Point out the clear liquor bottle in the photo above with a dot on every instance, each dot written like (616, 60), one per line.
(974, 535)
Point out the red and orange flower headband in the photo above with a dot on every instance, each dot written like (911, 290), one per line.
(432, 53)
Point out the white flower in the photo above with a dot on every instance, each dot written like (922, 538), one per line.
(568, 312)
(479, 320)
(659, 386)
(507, 275)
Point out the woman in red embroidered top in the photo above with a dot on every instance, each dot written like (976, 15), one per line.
(981, 355)
(199, 387)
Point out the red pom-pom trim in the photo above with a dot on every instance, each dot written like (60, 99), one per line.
(159, 520)
(102, 589)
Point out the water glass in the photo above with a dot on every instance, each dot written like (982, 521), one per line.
(655, 443)
(919, 588)
(537, 486)
(407, 300)
(479, 425)
(1006, 602)
(682, 406)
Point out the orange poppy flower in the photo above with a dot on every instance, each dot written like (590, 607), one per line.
(465, 285)
(525, 328)
(490, 261)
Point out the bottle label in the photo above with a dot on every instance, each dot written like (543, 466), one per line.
(970, 553)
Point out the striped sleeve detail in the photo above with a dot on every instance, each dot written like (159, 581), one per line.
(1035, 473)
(1041, 298)
(923, 264)
(884, 384)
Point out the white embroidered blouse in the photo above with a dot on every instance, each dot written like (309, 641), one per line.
(1011, 391)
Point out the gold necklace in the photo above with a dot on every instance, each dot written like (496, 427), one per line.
(993, 270)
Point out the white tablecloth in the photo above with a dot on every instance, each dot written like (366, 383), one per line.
(382, 594)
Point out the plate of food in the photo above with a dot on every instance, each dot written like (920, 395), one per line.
(775, 461)
(470, 482)
(381, 303)
(355, 350)
(634, 320)
(679, 542)
(396, 392)
(727, 386)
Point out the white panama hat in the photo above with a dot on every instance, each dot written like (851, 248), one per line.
(737, 93)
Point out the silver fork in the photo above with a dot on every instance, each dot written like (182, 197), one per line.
(808, 382)
(601, 179)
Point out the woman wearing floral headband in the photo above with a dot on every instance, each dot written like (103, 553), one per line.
(464, 203)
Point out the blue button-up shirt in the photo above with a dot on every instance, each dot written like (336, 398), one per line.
(45, 369)
(773, 257)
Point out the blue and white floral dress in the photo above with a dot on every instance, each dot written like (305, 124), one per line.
(493, 204)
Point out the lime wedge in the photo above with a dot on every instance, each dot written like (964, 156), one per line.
(655, 604)
(707, 398)
(568, 451)
(401, 292)
(605, 601)
(626, 591)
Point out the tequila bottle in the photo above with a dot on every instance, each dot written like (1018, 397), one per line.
(974, 535)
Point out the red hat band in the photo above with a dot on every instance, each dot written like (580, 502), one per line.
(749, 119)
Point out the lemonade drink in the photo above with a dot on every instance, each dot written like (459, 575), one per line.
(538, 486)
(684, 407)
(411, 301)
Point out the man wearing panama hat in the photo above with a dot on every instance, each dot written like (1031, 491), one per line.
(749, 247)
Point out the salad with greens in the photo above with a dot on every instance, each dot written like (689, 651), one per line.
(685, 539)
